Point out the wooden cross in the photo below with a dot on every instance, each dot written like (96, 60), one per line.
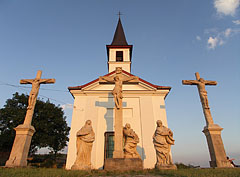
(34, 93)
(118, 79)
(200, 82)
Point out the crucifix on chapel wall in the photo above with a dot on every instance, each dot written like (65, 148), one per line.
(118, 79)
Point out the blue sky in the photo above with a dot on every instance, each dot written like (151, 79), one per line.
(171, 41)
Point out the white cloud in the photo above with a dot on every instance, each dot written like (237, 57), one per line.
(198, 38)
(221, 42)
(67, 106)
(236, 22)
(226, 7)
(227, 32)
(212, 42)
(220, 37)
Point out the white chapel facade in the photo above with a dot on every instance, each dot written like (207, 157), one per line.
(143, 105)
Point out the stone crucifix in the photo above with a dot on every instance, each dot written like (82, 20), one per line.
(212, 131)
(25, 131)
(34, 93)
(200, 82)
(118, 79)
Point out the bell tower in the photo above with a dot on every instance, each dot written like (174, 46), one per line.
(119, 52)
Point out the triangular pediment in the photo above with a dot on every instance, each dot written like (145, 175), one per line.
(138, 85)
(130, 86)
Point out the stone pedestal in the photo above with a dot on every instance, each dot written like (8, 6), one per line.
(118, 133)
(216, 147)
(80, 167)
(166, 167)
(123, 164)
(21, 145)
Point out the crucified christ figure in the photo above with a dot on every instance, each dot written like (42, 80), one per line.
(35, 88)
(118, 79)
(201, 83)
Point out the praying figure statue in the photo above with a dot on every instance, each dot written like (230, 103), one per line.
(85, 139)
(131, 139)
(162, 140)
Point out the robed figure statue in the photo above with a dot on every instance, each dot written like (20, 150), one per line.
(162, 140)
(85, 139)
(131, 139)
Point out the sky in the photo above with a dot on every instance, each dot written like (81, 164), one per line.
(172, 40)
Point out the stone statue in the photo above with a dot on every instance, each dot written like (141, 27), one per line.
(118, 79)
(85, 139)
(25, 131)
(117, 91)
(200, 82)
(162, 140)
(35, 88)
(131, 139)
(212, 131)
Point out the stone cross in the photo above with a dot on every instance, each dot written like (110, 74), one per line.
(200, 82)
(118, 79)
(212, 131)
(34, 93)
(25, 131)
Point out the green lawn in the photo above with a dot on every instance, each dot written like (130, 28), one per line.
(50, 172)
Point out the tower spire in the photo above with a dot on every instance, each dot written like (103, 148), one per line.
(119, 36)
(119, 52)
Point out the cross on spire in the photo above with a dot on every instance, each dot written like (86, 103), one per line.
(119, 14)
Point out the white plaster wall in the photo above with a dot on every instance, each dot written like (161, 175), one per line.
(78, 112)
(159, 109)
(105, 123)
(126, 54)
(141, 111)
(148, 127)
(84, 109)
(126, 66)
(111, 87)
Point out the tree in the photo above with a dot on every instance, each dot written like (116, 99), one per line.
(48, 120)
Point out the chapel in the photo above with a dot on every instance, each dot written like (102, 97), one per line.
(143, 103)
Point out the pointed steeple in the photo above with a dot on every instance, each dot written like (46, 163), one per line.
(119, 36)
(119, 52)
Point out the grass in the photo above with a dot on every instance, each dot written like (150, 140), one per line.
(50, 172)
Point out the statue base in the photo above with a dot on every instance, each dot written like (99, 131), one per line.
(166, 167)
(80, 167)
(123, 164)
(21, 145)
(216, 147)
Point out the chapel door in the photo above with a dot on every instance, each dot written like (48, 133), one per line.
(109, 145)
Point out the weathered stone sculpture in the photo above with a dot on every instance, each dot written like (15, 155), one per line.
(118, 80)
(212, 131)
(131, 139)
(25, 131)
(85, 139)
(162, 140)
(118, 162)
